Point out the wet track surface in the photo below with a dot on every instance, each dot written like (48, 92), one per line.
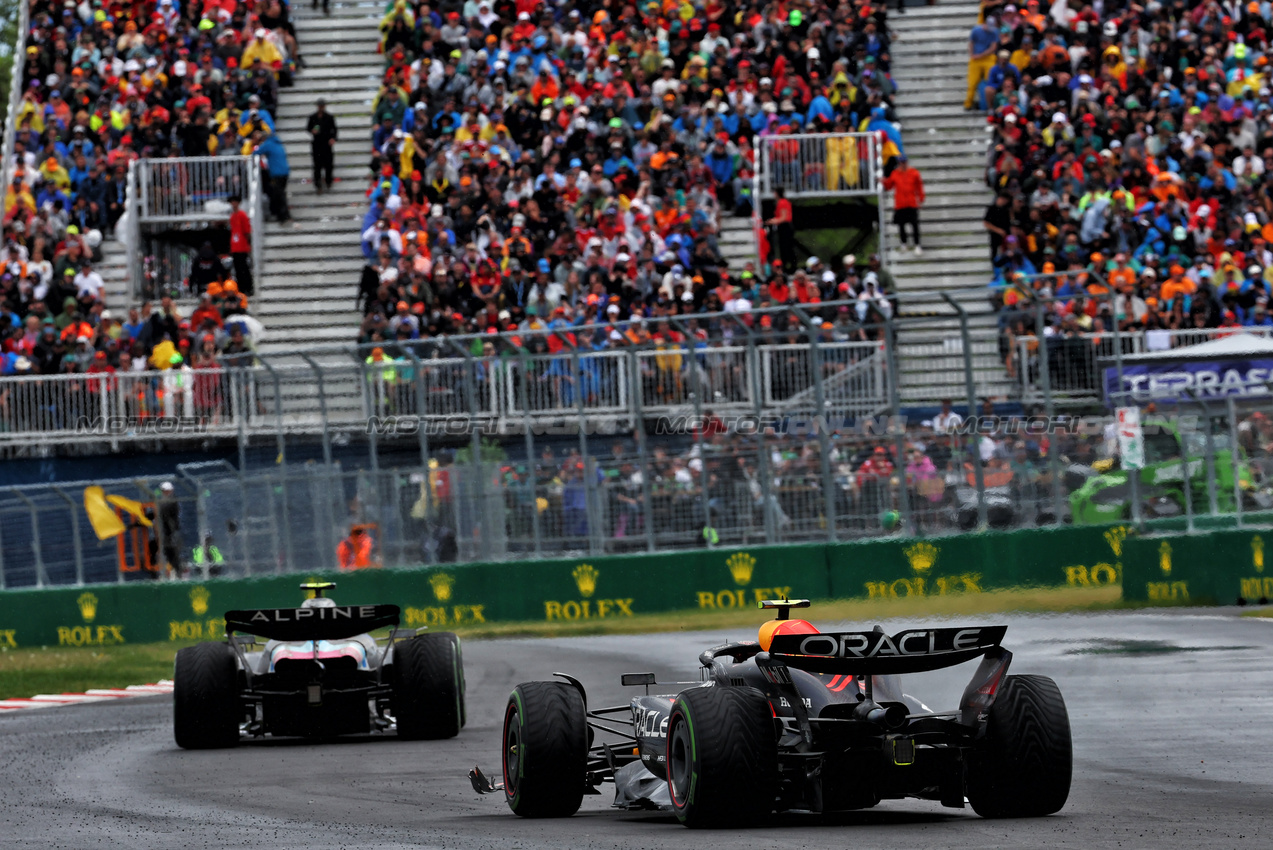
(1172, 715)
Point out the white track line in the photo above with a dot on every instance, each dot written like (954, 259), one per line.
(164, 686)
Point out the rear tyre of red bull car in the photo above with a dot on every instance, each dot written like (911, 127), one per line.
(428, 687)
(545, 750)
(722, 757)
(1024, 764)
(205, 697)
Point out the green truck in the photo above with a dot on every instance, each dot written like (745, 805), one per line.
(1107, 497)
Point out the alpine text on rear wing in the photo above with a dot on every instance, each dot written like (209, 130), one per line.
(334, 623)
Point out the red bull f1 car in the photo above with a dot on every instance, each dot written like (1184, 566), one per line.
(319, 673)
(797, 721)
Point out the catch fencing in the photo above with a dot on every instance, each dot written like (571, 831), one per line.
(759, 482)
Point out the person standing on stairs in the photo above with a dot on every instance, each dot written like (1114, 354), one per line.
(784, 229)
(241, 246)
(274, 159)
(983, 41)
(907, 187)
(321, 127)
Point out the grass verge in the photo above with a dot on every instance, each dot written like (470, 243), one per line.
(56, 670)
(26, 672)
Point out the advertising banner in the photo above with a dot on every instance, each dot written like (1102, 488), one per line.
(1172, 381)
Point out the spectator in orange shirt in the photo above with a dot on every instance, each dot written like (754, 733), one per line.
(1122, 275)
(907, 187)
(1177, 284)
(545, 87)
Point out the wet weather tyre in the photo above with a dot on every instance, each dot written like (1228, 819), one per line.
(428, 687)
(722, 757)
(206, 710)
(1024, 765)
(545, 752)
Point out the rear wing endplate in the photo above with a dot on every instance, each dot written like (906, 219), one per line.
(334, 623)
(878, 654)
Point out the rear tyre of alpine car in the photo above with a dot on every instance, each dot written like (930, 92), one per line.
(1024, 766)
(428, 687)
(722, 757)
(545, 752)
(205, 697)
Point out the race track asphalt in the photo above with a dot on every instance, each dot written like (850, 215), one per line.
(1172, 715)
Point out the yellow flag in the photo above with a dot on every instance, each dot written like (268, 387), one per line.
(129, 506)
(104, 520)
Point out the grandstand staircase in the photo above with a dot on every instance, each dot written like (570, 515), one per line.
(948, 146)
(307, 289)
(306, 293)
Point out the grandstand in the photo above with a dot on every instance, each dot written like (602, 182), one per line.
(544, 212)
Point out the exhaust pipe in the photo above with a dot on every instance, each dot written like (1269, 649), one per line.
(891, 717)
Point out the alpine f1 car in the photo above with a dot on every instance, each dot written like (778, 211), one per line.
(797, 721)
(320, 673)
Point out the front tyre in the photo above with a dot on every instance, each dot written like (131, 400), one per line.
(722, 757)
(1024, 766)
(545, 752)
(428, 687)
(205, 697)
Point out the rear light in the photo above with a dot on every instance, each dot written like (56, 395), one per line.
(981, 690)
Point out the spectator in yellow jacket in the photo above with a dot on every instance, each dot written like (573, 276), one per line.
(260, 47)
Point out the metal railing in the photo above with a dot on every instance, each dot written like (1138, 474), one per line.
(180, 192)
(819, 164)
(505, 393)
(1072, 360)
(15, 88)
(816, 165)
(194, 188)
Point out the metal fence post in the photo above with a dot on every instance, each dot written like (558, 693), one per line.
(370, 401)
(278, 409)
(1049, 405)
(1138, 518)
(1187, 484)
(762, 456)
(704, 487)
(529, 438)
(257, 215)
(899, 433)
(75, 531)
(971, 388)
(36, 548)
(477, 492)
(820, 422)
(589, 468)
(3, 582)
(421, 391)
(643, 456)
(1233, 461)
(322, 406)
(241, 401)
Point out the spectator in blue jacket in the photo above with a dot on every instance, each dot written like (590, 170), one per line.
(275, 165)
(721, 164)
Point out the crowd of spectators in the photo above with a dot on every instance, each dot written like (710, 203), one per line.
(104, 84)
(539, 164)
(1131, 157)
(719, 483)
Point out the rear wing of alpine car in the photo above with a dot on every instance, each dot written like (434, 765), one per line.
(875, 653)
(334, 623)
